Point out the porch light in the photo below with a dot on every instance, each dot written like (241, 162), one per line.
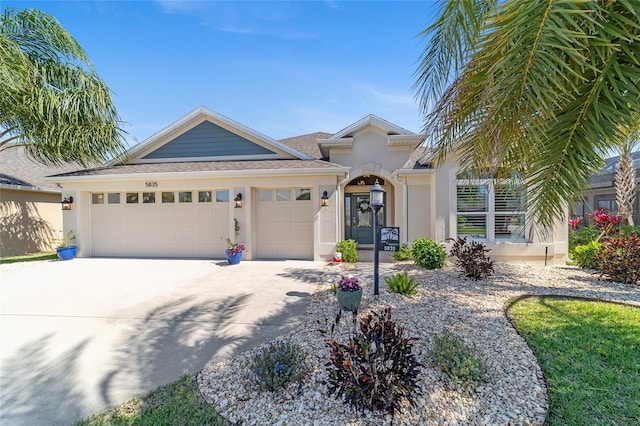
(238, 200)
(376, 201)
(324, 199)
(66, 203)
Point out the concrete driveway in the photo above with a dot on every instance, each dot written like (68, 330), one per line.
(82, 335)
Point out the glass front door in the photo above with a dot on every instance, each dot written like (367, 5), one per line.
(358, 218)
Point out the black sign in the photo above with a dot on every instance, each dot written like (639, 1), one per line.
(389, 239)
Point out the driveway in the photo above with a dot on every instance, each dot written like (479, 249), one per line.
(79, 336)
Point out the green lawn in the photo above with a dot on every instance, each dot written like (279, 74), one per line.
(590, 354)
(178, 403)
(29, 257)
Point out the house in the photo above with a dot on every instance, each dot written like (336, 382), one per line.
(179, 193)
(30, 210)
(601, 192)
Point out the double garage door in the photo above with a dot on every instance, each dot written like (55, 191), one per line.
(197, 223)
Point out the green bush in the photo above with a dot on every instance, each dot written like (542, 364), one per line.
(584, 256)
(402, 283)
(403, 254)
(627, 230)
(349, 250)
(582, 236)
(277, 364)
(457, 361)
(428, 253)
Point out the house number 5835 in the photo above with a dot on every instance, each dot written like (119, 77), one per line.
(151, 184)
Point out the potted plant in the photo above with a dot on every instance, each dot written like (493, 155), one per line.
(349, 293)
(234, 250)
(66, 249)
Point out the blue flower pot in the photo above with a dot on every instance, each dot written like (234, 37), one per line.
(349, 300)
(66, 253)
(233, 259)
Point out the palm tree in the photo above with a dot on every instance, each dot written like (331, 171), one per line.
(51, 99)
(538, 88)
(625, 178)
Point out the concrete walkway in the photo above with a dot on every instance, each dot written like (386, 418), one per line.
(79, 336)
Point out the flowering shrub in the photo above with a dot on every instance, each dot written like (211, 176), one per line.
(348, 284)
(619, 259)
(277, 364)
(605, 220)
(574, 222)
(235, 248)
(376, 370)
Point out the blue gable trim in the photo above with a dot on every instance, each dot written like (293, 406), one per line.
(207, 140)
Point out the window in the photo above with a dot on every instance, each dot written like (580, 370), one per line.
(113, 198)
(168, 197)
(148, 197)
(303, 194)
(97, 198)
(491, 211)
(265, 194)
(283, 194)
(184, 197)
(204, 196)
(608, 204)
(132, 197)
(222, 196)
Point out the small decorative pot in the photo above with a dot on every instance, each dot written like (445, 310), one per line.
(66, 253)
(349, 300)
(233, 259)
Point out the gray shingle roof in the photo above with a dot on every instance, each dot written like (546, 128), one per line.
(18, 169)
(307, 143)
(204, 166)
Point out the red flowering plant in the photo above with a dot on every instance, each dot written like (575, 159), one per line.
(606, 221)
(574, 222)
(234, 248)
(348, 284)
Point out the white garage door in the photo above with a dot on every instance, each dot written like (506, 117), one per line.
(160, 224)
(284, 223)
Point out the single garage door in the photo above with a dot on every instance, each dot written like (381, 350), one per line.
(160, 224)
(284, 223)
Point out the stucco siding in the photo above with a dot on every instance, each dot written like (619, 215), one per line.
(207, 140)
(30, 221)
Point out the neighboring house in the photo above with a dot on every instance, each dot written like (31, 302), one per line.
(30, 209)
(174, 195)
(601, 192)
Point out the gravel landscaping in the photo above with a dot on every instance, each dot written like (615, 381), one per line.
(445, 301)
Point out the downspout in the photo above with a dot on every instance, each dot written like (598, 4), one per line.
(339, 204)
(405, 202)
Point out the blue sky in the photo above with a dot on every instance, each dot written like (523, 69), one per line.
(281, 68)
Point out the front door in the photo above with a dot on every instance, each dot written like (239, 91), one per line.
(358, 223)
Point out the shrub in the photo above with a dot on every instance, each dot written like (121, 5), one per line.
(403, 254)
(584, 256)
(619, 259)
(581, 236)
(349, 250)
(472, 258)
(402, 283)
(457, 361)
(626, 230)
(376, 370)
(428, 253)
(277, 364)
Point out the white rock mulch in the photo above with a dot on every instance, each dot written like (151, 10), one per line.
(474, 310)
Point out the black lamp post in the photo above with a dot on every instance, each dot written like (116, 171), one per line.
(376, 201)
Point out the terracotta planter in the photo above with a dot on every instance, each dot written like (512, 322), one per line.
(349, 300)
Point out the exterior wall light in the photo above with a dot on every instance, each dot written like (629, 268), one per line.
(238, 200)
(66, 203)
(376, 201)
(324, 200)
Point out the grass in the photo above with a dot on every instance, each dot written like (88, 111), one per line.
(178, 403)
(29, 257)
(590, 354)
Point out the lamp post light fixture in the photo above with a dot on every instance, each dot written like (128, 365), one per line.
(238, 200)
(376, 201)
(66, 203)
(324, 200)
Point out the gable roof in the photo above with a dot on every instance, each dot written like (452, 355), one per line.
(371, 120)
(307, 143)
(255, 145)
(20, 172)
